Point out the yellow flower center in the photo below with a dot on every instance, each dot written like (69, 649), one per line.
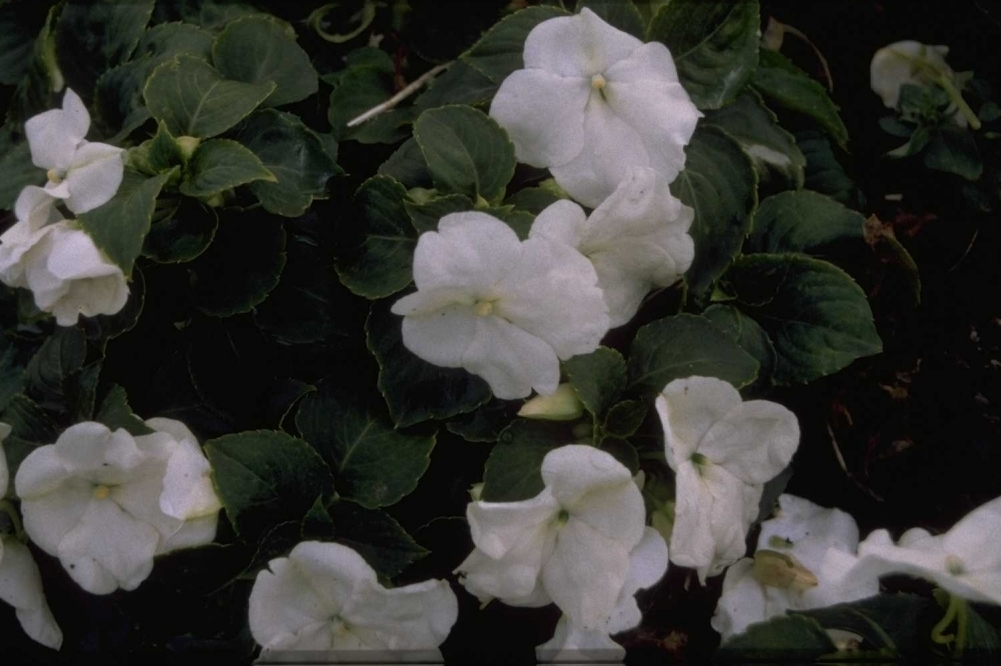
(598, 82)
(954, 565)
(483, 308)
(55, 175)
(102, 492)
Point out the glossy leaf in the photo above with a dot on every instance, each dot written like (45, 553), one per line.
(221, 164)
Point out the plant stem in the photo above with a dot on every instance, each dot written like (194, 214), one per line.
(400, 96)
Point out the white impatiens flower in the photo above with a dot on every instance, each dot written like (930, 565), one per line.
(914, 63)
(84, 174)
(593, 102)
(20, 581)
(105, 503)
(35, 211)
(965, 561)
(504, 309)
(637, 239)
(325, 597)
(572, 544)
(722, 451)
(803, 558)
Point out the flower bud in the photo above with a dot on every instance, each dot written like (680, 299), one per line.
(562, 405)
(775, 569)
(188, 144)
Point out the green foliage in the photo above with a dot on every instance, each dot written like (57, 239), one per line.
(16, 168)
(748, 334)
(623, 15)
(512, 472)
(182, 234)
(714, 44)
(366, 82)
(802, 221)
(116, 413)
(598, 378)
(221, 164)
(498, 52)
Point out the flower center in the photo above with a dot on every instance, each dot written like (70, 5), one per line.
(699, 460)
(55, 176)
(101, 492)
(562, 517)
(598, 82)
(483, 308)
(954, 565)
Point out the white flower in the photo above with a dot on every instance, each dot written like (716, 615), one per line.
(324, 596)
(20, 581)
(570, 643)
(722, 451)
(105, 503)
(911, 62)
(965, 561)
(82, 173)
(637, 239)
(571, 544)
(593, 102)
(35, 210)
(803, 558)
(503, 309)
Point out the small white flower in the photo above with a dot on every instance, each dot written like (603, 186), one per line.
(571, 544)
(20, 581)
(35, 211)
(637, 239)
(965, 561)
(593, 102)
(722, 451)
(69, 276)
(84, 174)
(504, 309)
(803, 557)
(105, 503)
(910, 62)
(324, 596)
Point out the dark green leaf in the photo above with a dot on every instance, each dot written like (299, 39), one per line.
(622, 451)
(754, 126)
(265, 477)
(29, 421)
(12, 373)
(625, 418)
(467, 152)
(426, 216)
(486, 423)
(262, 48)
(183, 235)
(824, 173)
(684, 346)
(498, 53)
(241, 267)
(815, 314)
(374, 464)
(802, 221)
(376, 536)
(364, 84)
(194, 99)
(719, 183)
(748, 334)
(36, 91)
(17, 37)
(116, 413)
(294, 154)
(953, 150)
(533, 199)
(407, 165)
(57, 360)
(379, 261)
(791, 88)
(513, 470)
(461, 83)
(416, 390)
(598, 378)
(783, 638)
(16, 168)
(119, 227)
(622, 15)
(164, 151)
(714, 44)
(222, 164)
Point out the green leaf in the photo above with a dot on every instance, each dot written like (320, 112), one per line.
(684, 346)
(29, 422)
(16, 168)
(623, 451)
(294, 154)
(534, 199)
(116, 413)
(261, 49)
(598, 378)
(783, 638)
(376, 536)
(194, 99)
(748, 334)
(485, 423)
(414, 389)
(625, 418)
(499, 51)
(365, 83)
(815, 314)
(953, 150)
(183, 235)
(118, 96)
(802, 221)
(93, 36)
(241, 266)
(102, 328)
(622, 15)
(120, 226)
(886, 622)
(374, 464)
(163, 152)
(824, 172)
(461, 83)
(756, 129)
(36, 91)
(407, 165)
(467, 152)
(53, 366)
(720, 184)
(426, 216)
(791, 88)
(16, 42)
(714, 44)
(12, 373)
(379, 259)
(513, 470)
(221, 164)
(265, 477)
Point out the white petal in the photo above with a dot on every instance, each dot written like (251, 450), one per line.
(285, 611)
(187, 484)
(581, 45)
(94, 176)
(53, 136)
(21, 587)
(91, 297)
(571, 643)
(94, 448)
(511, 360)
(49, 517)
(543, 114)
(74, 256)
(688, 408)
(743, 602)
(16, 245)
(413, 617)
(497, 527)
(975, 538)
(470, 251)
(649, 63)
(37, 207)
(647, 565)
(839, 580)
(754, 440)
(440, 336)
(514, 579)
(562, 221)
(806, 531)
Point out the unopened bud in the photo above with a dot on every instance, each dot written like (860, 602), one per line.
(775, 569)
(562, 405)
(188, 145)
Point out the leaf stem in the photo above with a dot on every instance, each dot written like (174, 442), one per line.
(400, 96)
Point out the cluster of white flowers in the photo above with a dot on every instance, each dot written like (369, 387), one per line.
(606, 114)
(59, 262)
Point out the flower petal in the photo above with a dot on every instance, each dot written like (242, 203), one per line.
(53, 136)
(414, 617)
(94, 176)
(688, 408)
(806, 531)
(514, 579)
(440, 336)
(511, 360)
(21, 587)
(562, 221)
(524, 106)
(647, 565)
(49, 517)
(497, 527)
(744, 601)
(650, 63)
(581, 45)
(470, 250)
(754, 440)
(571, 643)
(285, 611)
